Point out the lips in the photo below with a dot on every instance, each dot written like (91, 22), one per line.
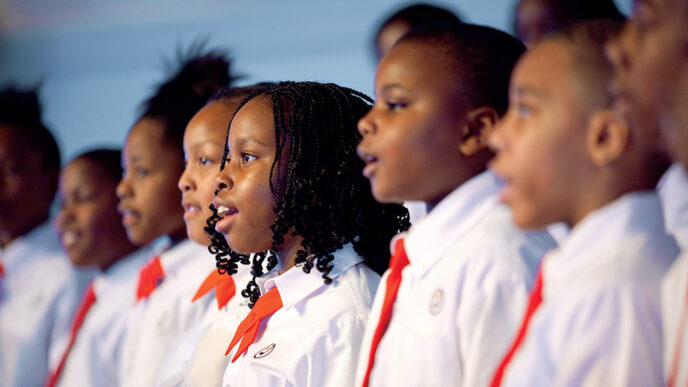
(369, 160)
(190, 209)
(69, 239)
(129, 216)
(227, 214)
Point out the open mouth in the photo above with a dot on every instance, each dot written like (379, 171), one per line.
(69, 239)
(190, 209)
(224, 211)
(129, 216)
(370, 161)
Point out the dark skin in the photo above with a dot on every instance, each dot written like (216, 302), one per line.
(27, 188)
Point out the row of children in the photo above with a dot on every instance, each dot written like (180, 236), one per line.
(477, 292)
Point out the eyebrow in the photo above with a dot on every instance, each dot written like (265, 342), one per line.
(527, 91)
(245, 140)
(394, 86)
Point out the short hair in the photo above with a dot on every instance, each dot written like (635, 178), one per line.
(482, 58)
(564, 13)
(108, 160)
(417, 16)
(324, 197)
(21, 111)
(200, 75)
(586, 41)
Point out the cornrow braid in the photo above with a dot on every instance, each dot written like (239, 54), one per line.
(324, 198)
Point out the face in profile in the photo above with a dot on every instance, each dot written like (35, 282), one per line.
(411, 136)
(651, 72)
(148, 193)
(541, 142)
(245, 201)
(88, 223)
(26, 187)
(204, 144)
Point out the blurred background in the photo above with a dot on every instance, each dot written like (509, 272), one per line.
(96, 60)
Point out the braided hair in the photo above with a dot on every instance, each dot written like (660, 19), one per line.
(324, 198)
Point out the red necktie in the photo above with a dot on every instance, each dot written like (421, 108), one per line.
(266, 305)
(223, 285)
(2, 270)
(86, 302)
(150, 277)
(533, 303)
(397, 263)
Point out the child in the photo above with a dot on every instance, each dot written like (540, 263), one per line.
(651, 74)
(39, 290)
(92, 236)
(593, 317)
(153, 161)
(406, 19)
(290, 184)
(197, 358)
(439, 92)
(534, 19)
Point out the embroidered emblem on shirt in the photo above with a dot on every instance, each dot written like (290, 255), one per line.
(436, 302)
(265, 351)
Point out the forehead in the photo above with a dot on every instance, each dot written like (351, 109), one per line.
(414, 63)
(145, 138)
(544, 68)
(14, 146)
(81, 173)
(254, 119)
(209, 124)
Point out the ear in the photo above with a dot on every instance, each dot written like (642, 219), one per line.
(480, 123)
(608, 136)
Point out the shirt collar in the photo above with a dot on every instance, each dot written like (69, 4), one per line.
(124, 270)
(186, 253)
(295, 285)
(458, 213)
(41, 240)
(633, 213)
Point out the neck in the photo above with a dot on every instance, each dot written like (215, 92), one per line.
(8, 235)
(287, 253)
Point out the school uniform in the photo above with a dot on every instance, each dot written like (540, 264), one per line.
(675, 322)
(314, 338)
(92, 359)
(673, 192)
(461, 295)
(166, 313)
(39, 291)
(198, 357)
(598, 322)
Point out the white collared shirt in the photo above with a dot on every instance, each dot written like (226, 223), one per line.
(599, 321)
(462, 295)
(197, 358)
(673, 192)
(92, 361)
(674, 305)
(39, 293)
(167, 313)
(314, 339)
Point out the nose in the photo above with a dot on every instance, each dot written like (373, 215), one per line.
(366, 125)
(123, 189)
(496, 140)
(223, 180)
(185, 182)
(64, 216)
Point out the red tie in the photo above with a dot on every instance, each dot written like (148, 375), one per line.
(397, 263)
(86, 302)
(266, 305)
(223, 285)
(149, 278)
(2, 270)
(533, 303)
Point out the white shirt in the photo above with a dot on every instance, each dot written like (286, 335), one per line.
(314, 339)
(599, 321)
(674, 305)
(39, 293)
(462, 295)
(673, 192)
(92, 361)
(167, 313)
(197, 358)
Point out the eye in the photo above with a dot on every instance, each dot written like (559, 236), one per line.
(205, 161)
(247, 158)
(523, 111)
(140, 172)
(394, 106)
